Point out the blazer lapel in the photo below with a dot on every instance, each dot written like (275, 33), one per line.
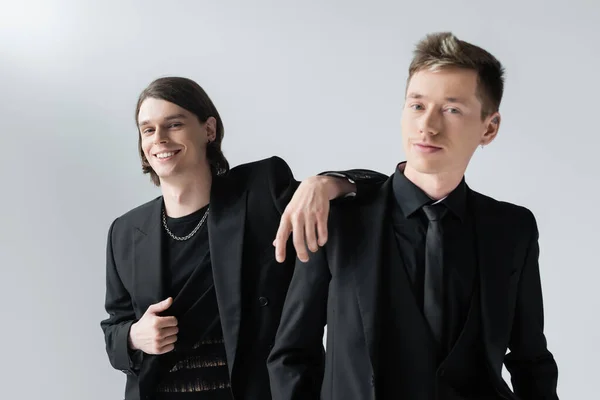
(147, 259)
(366, 257)
(226, 222)
(494, 277)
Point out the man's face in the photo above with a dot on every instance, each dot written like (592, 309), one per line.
(173, 139)
(441, 121)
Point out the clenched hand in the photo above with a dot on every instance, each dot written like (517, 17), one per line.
(154, 334)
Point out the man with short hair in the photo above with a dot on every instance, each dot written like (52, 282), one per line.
(424, 288)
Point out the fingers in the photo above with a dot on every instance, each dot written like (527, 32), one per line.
(167, 332)
(322, 227)
(166, 349)
(164, 341)
(310, 234)
(168, 340)
(165, 322)
(283, 233)
(166, 344)
(154, 334)
(299, 243)
(306, 220)
(160, 307)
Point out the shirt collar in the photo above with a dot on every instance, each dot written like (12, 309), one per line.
(410, 198)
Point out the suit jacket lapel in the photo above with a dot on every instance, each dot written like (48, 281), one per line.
(494, 276)
(366, 256)
(147, 259)
(226, 223)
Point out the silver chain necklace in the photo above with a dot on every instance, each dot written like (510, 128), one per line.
(182, 238)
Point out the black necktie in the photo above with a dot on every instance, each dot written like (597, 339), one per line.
(433, 291)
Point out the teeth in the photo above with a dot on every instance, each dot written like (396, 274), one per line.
(165, 155)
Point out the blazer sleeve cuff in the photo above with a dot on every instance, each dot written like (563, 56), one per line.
(127, 360)
(341, 175)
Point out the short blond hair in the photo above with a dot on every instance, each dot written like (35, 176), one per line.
(444, 50)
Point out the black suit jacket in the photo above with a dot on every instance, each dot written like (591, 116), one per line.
(246, 207)
(339, 287)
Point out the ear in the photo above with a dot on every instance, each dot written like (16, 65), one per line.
(492, 125)
(211, 129)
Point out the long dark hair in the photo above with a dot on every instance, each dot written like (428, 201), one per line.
(189, 95)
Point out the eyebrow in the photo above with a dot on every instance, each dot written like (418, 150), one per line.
(413, 95)
(455, 100)
(417, 96)
(168, 118)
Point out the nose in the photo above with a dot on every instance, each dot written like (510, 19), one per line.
(429, 123)
(160, 136)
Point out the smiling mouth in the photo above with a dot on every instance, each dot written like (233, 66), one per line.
(166, 154)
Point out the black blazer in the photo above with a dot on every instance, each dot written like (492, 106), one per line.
(246, 207)
(338, 286)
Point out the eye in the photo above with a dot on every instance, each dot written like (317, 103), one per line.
(453, 110)
(416, 107)
(147, 131)
(175, 125)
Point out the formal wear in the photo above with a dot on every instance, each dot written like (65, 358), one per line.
(228, 288)
(408, 320)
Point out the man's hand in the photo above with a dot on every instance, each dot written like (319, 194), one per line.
(306, 215)
(154, 334)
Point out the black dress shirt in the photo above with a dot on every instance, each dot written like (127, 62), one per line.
(460, 263)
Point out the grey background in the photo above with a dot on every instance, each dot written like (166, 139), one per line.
(319, 83)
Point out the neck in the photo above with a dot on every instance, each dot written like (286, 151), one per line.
(438, 185)
(187, 193)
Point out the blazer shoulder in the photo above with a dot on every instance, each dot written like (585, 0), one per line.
(136, 215)
(251, 173)
(511, 213)
(258, 166)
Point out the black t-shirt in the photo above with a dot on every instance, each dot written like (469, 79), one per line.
(200, 372)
